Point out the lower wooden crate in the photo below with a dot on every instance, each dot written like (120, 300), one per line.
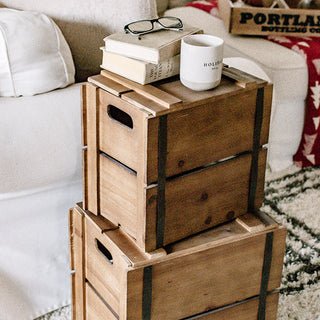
(233, 262)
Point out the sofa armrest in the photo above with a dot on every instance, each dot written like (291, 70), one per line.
(40, 139)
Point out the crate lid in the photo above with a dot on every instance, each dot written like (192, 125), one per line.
(170, 95)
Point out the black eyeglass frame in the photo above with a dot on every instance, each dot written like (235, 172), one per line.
(179, 26)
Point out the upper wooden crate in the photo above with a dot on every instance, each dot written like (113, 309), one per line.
(238, 260)
(132, 121)
(164, 145)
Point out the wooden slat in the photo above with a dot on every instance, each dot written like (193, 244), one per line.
(85, 189)
(79, 280)
(84, 103)
(144, 103)
(96, 308)
(191, 98)
(241, 78)
(163, 98)
(243, 310)
(71, 240)
(109, 85)
(93, 148)
(72, 264)
(251, 223)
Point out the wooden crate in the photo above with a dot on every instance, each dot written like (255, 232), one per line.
(250, 20)
(153, 157)
(238, 260)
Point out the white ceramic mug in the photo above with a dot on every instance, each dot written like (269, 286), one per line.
(201, 61)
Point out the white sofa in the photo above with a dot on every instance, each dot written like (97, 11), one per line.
(40, 163)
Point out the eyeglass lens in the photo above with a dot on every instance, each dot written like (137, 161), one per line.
(147, 25)
(140, 26)
(168, 22)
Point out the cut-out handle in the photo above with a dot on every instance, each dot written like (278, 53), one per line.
(120, 116)
(103, 250)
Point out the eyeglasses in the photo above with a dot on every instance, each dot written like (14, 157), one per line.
(142, 27)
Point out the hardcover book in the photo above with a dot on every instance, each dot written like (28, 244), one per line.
(140, 71)
(153, 47)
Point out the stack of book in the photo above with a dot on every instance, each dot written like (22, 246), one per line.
(154, 57)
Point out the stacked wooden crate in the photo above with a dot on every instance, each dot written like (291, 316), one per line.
(173, 182)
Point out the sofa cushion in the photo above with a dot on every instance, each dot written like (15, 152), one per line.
(86, 23)
(34, 56)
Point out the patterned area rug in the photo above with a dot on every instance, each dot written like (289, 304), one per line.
(293, 199)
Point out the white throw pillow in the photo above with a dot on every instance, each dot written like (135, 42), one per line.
(85, 24)
(34, 56)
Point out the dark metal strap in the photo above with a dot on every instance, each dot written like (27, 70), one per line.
(147, 293)
(255, 150)
(265, 276)
(161, 200)
(110, 229)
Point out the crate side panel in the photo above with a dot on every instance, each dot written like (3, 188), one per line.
(225, 274)
(204, 199)
(205, 280)
(120, 129)
(210, 132)
(118, 195)
(103, 264)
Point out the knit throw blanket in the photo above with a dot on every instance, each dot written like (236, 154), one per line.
(308, 153)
